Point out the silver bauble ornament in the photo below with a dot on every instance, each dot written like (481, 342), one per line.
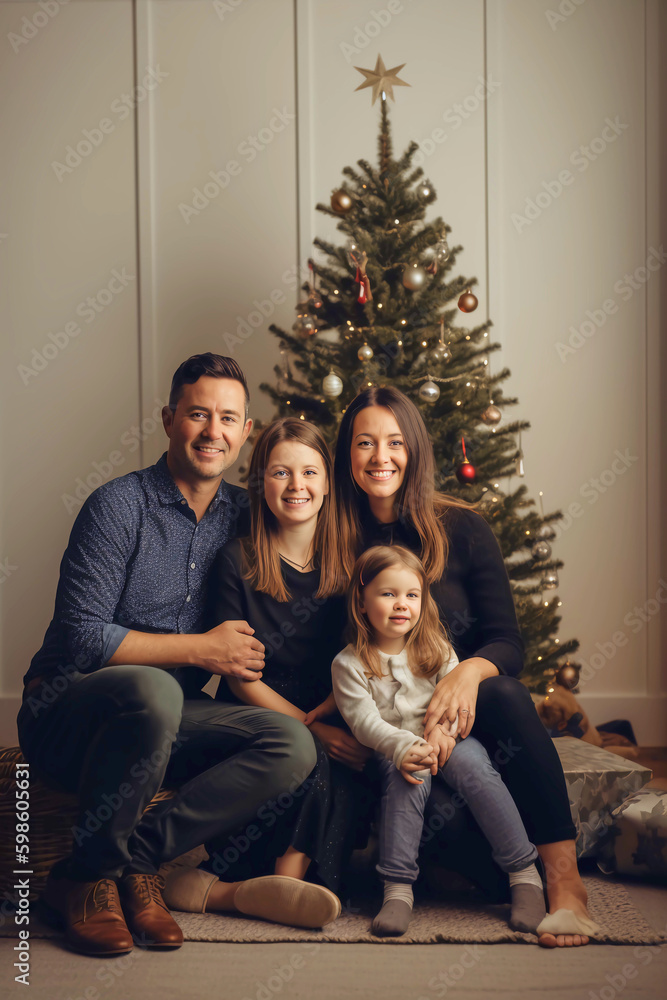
(332, 385)
(490, 498)
(440, 353)
(492, 415)
(414, 278)
(365, 353)
(442, 251)
(550, 579)
(541, 550)
(546, 531)
(304, 325)
(429, 391)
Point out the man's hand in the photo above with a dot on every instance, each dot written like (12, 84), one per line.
(230, 650)
(418, 757)
(443, 743)
(341, 746)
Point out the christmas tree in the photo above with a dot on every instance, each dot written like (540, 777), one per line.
(384, 308)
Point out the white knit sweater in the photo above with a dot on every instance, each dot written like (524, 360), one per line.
(385, 713)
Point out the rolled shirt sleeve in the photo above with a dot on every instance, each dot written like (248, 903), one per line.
(92, 577)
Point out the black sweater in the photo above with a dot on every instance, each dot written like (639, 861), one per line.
(474, 596)
(301, 636)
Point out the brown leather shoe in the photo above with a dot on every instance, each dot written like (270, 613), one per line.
(89, 913)
(146, 912)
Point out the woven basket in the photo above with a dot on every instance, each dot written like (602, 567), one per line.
(52, 816)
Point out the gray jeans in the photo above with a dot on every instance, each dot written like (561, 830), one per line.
(115, 735)
(469, 772)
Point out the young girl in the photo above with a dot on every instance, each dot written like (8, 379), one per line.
(383, 684)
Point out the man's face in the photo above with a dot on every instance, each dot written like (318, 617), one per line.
(207, 428)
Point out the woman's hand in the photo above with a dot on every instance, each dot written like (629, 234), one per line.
(457, 693)
(341, 746)
(418, 757)
(327, 707)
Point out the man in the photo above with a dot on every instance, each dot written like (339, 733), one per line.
(104, 713)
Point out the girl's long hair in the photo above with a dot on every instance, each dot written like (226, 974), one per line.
(260, 550)
(417, 500)
(427, 644)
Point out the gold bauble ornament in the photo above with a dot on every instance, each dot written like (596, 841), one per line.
(468, 302)
(492, 415)
(341, 202)
(365, 353)
(414, 278)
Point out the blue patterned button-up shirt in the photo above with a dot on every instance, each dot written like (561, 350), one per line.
(136, 559)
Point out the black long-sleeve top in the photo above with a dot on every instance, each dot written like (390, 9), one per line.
(474, 597)
(301, 636)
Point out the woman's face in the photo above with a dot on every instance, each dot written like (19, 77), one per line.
(378, 455)
(295, 483)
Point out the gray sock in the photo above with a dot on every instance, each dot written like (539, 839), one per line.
(528, 909)
(393, 919)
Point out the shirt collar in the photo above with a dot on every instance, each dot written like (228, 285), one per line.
(168, 491)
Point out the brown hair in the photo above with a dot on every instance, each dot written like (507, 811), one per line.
(214, 365)
(417, 500)
(427, 644)
(261, 558)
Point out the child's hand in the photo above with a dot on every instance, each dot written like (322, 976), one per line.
(328, 707)
(417, 758)
(443, 744)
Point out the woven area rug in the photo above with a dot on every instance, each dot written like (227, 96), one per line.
(433, 922)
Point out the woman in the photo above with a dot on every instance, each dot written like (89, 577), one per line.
(384, 471)
(287, 582)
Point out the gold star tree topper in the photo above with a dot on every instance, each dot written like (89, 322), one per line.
(381, 79)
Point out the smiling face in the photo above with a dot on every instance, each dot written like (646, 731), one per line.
(378, 456)
(207, 428)
(295, 483)
(392, 604)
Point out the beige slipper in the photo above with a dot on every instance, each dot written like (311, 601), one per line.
(187, 889)
(287, 900)
(567, 922)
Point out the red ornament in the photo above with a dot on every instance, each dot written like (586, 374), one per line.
(466, 472)
(361, 297)
(468, 302)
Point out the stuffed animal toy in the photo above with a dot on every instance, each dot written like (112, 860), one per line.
(562, 715)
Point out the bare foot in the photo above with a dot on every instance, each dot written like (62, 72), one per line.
(571, 897)
(565, 891)
(562, 940)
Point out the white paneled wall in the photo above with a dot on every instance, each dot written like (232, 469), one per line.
(202, 199)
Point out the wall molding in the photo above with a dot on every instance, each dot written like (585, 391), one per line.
(144, 123)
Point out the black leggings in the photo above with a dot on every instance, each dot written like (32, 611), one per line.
(515, 739)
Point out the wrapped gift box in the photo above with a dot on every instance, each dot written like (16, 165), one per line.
(597, 782)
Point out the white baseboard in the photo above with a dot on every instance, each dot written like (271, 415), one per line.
(647, 713)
